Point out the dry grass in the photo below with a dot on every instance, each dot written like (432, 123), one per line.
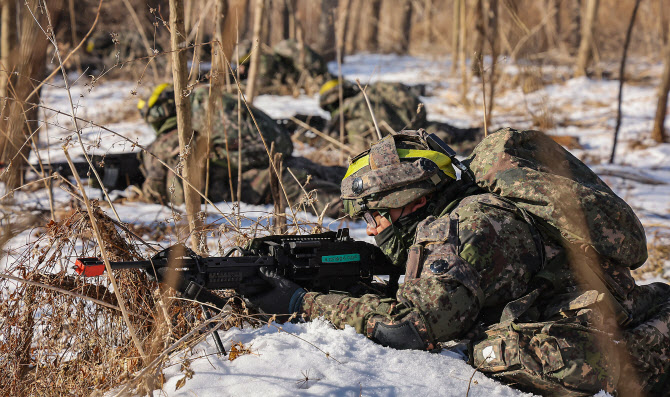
(71, 338)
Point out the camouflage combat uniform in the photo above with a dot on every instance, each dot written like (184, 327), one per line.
(162, 186)
(396, 106)
(107, 49)
(285, 69)
(481, 269)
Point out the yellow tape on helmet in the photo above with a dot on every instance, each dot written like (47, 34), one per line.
(157, 92)
(328, 85)
(441, 160)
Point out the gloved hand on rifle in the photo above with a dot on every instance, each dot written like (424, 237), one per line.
(285, 297)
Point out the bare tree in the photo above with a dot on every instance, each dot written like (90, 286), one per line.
(462, 59)
(19, 120)
(455, 34)
(658, 132)
(405, 27)
(341, 28)
(622, 75)
(325, 43)
(255, 53)
(480, 36)
(188, 145)
(370, 26)
(7, 38)
(278, 21)
(585, 52)
(492, 34)
(351, 43)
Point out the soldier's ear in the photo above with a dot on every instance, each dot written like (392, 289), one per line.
(418, 203)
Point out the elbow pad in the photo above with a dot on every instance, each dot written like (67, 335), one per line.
(400, 336)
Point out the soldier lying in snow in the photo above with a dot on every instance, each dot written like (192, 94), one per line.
(162, 186)
(526, 258)
(285, 69)
(396, 107)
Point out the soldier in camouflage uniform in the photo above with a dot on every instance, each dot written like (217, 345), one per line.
(285, 69)
(480, 268)
(161, 185)
(396, 106)
(107, 49)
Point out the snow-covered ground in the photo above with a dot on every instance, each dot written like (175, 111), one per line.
(293, 360)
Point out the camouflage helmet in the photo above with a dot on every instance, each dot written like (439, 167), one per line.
(159, 107)
(329, 96)
(395, 171)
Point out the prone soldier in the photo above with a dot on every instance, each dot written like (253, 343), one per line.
(321, 182)
(395, 105)
(526, 257)
(286, 68)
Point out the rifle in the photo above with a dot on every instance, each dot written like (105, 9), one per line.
(317, 262)
(117, 170)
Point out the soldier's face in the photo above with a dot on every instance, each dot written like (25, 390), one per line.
(381, 222)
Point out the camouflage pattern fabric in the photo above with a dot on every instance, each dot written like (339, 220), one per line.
(161, 185)
(568, 199)
(494, 272)
(286, 69)
(106, 49)
(395, 108)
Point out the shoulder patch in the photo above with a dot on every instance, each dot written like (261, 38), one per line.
(432, 230)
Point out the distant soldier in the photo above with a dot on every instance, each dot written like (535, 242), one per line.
(285, 69)
(396, 106)
(161, 185)
(107, 49)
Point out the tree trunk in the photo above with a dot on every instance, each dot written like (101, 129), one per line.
(492, 34)
(586, 44)
(370, 27)
(7, 38)
(480, 36)
(351, 44)
(622, 75)
(428, 21)
(658, 132)
(255, 53)
(193, 161)
(552, 27)
(405, 27)
(234, 22)
(325, 43)
(278, 20)
(462, 40)
(341, 30)
(455, 34)
(20, 120)
(572, 35)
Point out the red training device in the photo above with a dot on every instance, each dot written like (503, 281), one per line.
(89, 267)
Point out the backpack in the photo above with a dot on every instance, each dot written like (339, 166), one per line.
(569, 203)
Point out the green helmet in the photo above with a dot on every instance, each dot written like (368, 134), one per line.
(159, 107)
(395, 171)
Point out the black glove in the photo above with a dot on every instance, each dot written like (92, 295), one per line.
(285, 297)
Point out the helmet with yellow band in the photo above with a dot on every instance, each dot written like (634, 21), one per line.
(394, 172)
(159, 106)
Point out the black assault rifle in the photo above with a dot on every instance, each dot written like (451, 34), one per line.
(117, 170)
(317, 262)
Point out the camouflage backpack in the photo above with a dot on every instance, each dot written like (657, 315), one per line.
(570, 204)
